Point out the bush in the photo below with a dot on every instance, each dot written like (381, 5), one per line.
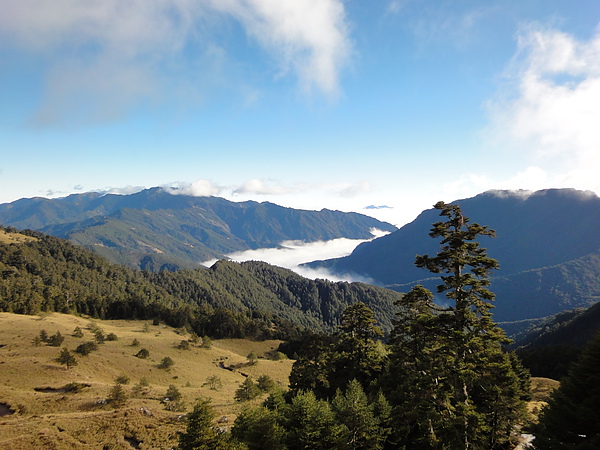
(86, 348)
(122, 379)
(77, 332)
(99, 336)
(206, 342)
(166, 363)
(183, 345)
(252, 357)
(214, 383)
(143, 353)
(56, 339)
(112, 337)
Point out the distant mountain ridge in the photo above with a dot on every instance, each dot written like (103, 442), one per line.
(548, 246)
(154, 229)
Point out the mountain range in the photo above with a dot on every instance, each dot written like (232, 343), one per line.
(547, 243)
(156, 230)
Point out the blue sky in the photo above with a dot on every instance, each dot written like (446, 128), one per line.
(304, 103)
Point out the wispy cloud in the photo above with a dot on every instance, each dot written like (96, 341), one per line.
(102, 57)
(274, 187)
(309, 37)
(551, 107)
(260, 187)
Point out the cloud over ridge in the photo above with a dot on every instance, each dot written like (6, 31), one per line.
(552, 105)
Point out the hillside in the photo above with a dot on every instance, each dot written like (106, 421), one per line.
(44, 273)
(155, 230)
(40, 413)
(547, 244)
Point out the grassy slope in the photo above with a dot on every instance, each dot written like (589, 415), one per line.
(73, 420)
(13, 238)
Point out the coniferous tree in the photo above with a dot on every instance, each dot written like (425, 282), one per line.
(66, 358)
(200, 433)
(311, 424)
(572, 418)
(358, 352)
(117, 395)
(353, 353)
(259, 429)
(458, 388)
(248, 390)
(362, 428)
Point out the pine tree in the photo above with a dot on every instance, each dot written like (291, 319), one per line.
(572, 418)
(258, 428)
(458, 387)
(358, 353)
(200, 434)
(248, 390)
(362, 428)
(117, 396)
(311, 424)
(66, 357)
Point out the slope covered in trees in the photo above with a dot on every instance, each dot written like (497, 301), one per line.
(548, 246)
(444, 381)
(154, 229)
(230, 299)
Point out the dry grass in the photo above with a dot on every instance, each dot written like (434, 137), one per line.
(60, 420)
(14, 238)
(541, 388)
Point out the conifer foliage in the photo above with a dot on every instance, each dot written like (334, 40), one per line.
(572, 418)
(457, 388)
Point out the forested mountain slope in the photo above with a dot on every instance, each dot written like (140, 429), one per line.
(154, 229)
(547, 243)
(229, 299)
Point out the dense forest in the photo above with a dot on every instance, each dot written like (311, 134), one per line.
(228, 300)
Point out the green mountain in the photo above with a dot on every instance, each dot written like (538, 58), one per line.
(550, 346)
(228, 300)
(156, 230)
(547, 243)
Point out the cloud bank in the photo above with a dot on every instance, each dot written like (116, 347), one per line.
(103, 57)
(551, 108)
(291, 254)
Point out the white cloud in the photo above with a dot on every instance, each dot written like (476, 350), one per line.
(127, 190)
(273, 187)
(259, 187)
(101, 57)
(199, 188)
(291, 254)
(307, 36)
(551, 109)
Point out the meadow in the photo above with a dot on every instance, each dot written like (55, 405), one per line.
(44, 404)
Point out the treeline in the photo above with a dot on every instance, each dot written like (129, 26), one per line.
(228, 300)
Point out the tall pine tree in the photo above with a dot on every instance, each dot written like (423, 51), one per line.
(458, 388)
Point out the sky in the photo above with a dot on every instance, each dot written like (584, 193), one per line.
(382, 107)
